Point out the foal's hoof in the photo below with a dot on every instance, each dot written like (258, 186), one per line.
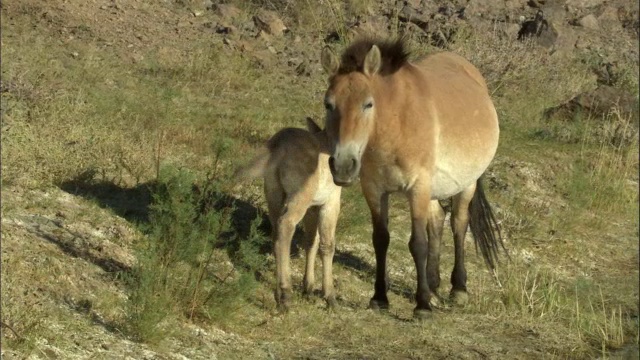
(282, 308)
(283, 299)
(378, 305)
(459, 297)
(421, 314)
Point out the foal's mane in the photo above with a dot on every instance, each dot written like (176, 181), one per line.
(394, 54)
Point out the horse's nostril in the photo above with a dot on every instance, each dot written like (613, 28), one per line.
(332, 163)
(353, 164)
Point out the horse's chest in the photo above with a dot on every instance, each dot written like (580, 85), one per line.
(391, 178)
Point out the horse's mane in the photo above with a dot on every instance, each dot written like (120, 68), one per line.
(394, 54)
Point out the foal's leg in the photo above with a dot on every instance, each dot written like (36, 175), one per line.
(311, 247)
(434, 233)
(459, 225)
(327, 227)
(419, 201)
(379, 207)
(295, 206)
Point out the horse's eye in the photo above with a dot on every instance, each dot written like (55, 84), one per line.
(367, 105)
(328, 106)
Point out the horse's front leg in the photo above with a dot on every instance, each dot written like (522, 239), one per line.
(419, 201)
(379, 205)
(434, 237)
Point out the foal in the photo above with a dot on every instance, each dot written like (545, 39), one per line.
(427, 129)
(298, 186)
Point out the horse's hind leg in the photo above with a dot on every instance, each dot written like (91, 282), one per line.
(311, 247)
(435, 224)
(327, 227)
(459, 225)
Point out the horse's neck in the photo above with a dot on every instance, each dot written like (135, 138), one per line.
(395, 120)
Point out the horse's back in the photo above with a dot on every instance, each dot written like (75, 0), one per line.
(451, 66)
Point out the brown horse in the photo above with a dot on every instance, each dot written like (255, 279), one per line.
(298, 186)
(427, 129)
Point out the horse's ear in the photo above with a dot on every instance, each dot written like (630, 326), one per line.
(329, 61)
(372, 61)
(312, 126)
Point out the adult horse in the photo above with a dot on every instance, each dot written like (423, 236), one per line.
(427, 129)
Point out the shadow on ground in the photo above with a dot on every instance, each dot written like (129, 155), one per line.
(133, 204)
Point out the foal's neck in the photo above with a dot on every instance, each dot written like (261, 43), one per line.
(323, 141)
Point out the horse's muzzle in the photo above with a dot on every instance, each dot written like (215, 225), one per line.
(344, 169)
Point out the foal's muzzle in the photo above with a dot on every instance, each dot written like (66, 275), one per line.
(344, 169)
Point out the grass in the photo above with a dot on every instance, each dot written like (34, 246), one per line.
(564, 189)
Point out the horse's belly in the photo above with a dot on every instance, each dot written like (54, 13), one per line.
(448, 181)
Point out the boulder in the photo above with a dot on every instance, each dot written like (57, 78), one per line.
(589, 22)
(270, 22)
(582, 4)
(598, 103)
(227, 12)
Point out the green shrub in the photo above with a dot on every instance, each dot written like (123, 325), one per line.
(186, 267)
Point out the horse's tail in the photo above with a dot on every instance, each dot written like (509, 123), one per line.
(484, 227)
(256, 168)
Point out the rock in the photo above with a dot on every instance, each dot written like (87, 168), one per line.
(608, 14)
(589, 22)
(264, 58)
(225, 28)
(372, 25)
(227, 11)
(487, 9)
(409, 14)
(514, 5)
(511, 31)
(582, 4)
(264, 36)
(599, 102)
(533, 27)
(303, 69)
(413, 3)
(414, 31)
(269, 22)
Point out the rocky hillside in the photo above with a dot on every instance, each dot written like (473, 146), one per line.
(100, 97)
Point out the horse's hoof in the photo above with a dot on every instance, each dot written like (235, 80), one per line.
(332, 303)
(421, 314)
(436, 302)
(459, 297)
(378, 304)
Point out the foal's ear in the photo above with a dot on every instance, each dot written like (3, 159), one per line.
(329, 61)
(372, 61)
(312, 126)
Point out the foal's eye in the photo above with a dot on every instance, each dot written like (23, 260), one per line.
(367, 105)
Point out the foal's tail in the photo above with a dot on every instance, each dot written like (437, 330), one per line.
(484, 227)
(256, 168)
